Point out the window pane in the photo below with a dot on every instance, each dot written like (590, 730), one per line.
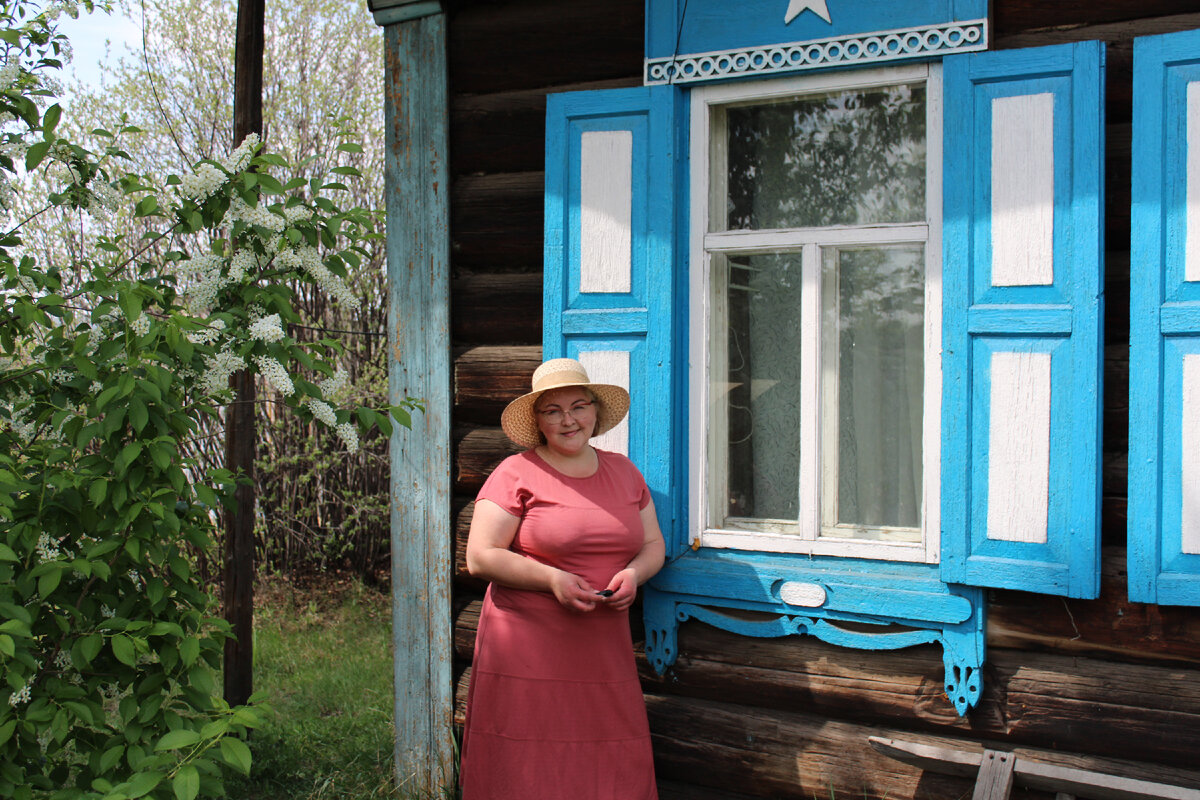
(875, 321)
(844, 158)
(762, 296)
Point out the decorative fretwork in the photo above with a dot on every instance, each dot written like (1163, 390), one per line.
(935, 40)
(895, 607)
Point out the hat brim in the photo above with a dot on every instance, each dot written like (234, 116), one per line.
(519, 420)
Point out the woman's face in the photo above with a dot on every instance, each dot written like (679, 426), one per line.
(567, 418)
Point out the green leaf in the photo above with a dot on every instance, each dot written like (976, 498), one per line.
(110, 758)
(174, 740)
(147, 206)
(186, 783)
(6, 730)
(189, 650)
(138, 415)
(143, 783)
(35, 154)
(50, 121)
(236, 754)
(89, 647)
(122, 647)
(7, 553)
(97, 491)
(6, 645)
(49, 582)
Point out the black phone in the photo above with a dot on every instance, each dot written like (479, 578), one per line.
(605, 592)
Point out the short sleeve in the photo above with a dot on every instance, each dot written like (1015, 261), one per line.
(506, 488)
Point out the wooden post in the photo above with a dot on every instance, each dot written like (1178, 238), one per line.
(240, 436)
(417, 196)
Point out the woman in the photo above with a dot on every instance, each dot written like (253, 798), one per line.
(565, 533)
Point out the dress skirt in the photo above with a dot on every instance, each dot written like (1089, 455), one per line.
(555, 707)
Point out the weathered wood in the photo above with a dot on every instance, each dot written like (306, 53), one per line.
(479, 451)
(419, 366)
(1010, 17)
(500, 308)
(505, 131)
(486, 379)
(1107, 627)
(1031, 769)
(497, 219)
(995, 778)
(524, 44)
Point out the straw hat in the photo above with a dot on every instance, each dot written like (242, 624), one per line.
(520, 421)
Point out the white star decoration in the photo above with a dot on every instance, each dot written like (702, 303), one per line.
(797, 7)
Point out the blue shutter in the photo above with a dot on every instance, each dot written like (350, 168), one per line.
(613, 297)
(1164, 326)
(1022, 313)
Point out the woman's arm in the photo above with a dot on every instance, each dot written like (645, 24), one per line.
(644, 566)
(489, 557)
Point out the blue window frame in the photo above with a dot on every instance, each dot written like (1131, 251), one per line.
(1164, 354)
(1020, 341)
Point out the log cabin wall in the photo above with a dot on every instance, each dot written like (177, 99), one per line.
(1112, 681)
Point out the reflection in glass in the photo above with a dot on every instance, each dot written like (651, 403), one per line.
(763, 385)
(874, 317)
(844, 158)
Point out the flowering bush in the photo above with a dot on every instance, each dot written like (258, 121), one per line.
(107, 647)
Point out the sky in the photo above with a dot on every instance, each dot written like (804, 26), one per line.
(89, 35)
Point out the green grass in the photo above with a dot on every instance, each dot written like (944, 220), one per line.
(323, 658)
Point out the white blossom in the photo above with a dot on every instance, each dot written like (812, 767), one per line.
(218, 368)
(107, 612)
(294, 214)
(47, 548)
(349, 436)
(322, 411)
(206, 280)
(309, 260)
(19, 696)
(275, 374)
(201, 184)
(141, 325)
(335, 383)
(9, 74)
(259, 215)
(268, 328)
(244, 261)
(209, 334)
(239, 159)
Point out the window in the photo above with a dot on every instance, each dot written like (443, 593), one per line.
(815, 330)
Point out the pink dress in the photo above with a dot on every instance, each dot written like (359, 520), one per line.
(555, 709)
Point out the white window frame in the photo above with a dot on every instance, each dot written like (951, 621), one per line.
(704, 506)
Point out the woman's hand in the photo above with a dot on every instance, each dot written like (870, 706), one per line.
(573, 592)
(624, 586)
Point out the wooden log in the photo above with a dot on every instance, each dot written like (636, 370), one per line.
(504, 131)
(779, 754)
(486, 379)
(496, 308)
(496, 220)
(479, 451)
(463, 580)
(1015, 16)
(1108, 627)
(524, 44)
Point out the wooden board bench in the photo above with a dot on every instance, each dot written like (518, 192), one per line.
(998, 771)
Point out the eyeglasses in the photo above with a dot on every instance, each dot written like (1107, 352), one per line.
(556, 415)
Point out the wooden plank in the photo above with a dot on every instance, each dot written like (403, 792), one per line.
(419, 366)
(995, 780)
(1028, 769)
